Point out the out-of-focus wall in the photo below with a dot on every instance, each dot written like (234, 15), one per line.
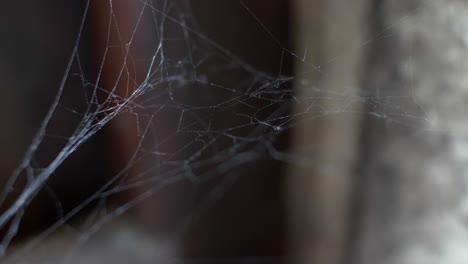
(415, 163)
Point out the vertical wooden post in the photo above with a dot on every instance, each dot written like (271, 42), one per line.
(327, 84)
(114, 24)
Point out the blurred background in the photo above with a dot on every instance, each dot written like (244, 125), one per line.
(243, 131)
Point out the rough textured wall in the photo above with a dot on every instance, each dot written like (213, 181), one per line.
(416, 168)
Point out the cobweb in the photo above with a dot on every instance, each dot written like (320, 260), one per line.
(198, 115)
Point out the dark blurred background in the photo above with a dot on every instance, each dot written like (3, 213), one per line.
(38, 40)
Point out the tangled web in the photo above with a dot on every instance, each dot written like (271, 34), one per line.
(198, 112)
